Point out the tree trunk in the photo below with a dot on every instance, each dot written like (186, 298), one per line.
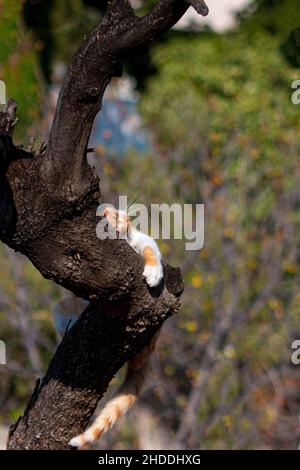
(48, 207)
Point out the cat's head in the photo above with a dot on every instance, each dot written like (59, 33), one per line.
(119, 220)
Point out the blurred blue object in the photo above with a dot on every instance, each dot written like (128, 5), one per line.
(66, 312)
(118, 128)
(63, 322)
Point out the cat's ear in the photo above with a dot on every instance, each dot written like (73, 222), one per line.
(103, 210)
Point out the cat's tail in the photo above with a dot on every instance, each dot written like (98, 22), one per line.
(123, 400)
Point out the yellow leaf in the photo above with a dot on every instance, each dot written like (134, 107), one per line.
(227, 420)
(164, 248)
(230, 352)
(196, 281)
(169, 370)
(191, 326)
(228, 232)
(215, 137)
(291, 268)
(251, 264)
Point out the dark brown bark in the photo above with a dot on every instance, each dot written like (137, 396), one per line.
(48, 212)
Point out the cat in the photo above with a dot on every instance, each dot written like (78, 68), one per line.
(140, 242)
(68, 310)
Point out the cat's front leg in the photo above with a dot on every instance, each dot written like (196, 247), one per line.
(153, 270)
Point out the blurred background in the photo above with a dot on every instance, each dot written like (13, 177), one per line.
(204, 116)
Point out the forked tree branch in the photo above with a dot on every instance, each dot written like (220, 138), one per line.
(47, 211)
(93, 65)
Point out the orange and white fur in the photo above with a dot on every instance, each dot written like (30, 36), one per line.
(140, 242)
(66, 312)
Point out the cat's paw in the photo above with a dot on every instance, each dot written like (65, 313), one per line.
(153, 274)
(75, 442)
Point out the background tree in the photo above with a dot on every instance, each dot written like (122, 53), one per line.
(225, 133)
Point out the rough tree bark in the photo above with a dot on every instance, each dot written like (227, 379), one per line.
(48, 206)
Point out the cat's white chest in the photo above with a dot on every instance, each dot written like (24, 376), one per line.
(134, 240)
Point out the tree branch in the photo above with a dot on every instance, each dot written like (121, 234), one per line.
(92, 67)
(47, 211)
(91, 353)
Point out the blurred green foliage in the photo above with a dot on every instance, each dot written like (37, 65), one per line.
(59, 27)
(226, 135)
(18, 65)
(277, 17)
(26, 327)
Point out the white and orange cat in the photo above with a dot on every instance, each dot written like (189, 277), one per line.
(140, 242)
(68, 310)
